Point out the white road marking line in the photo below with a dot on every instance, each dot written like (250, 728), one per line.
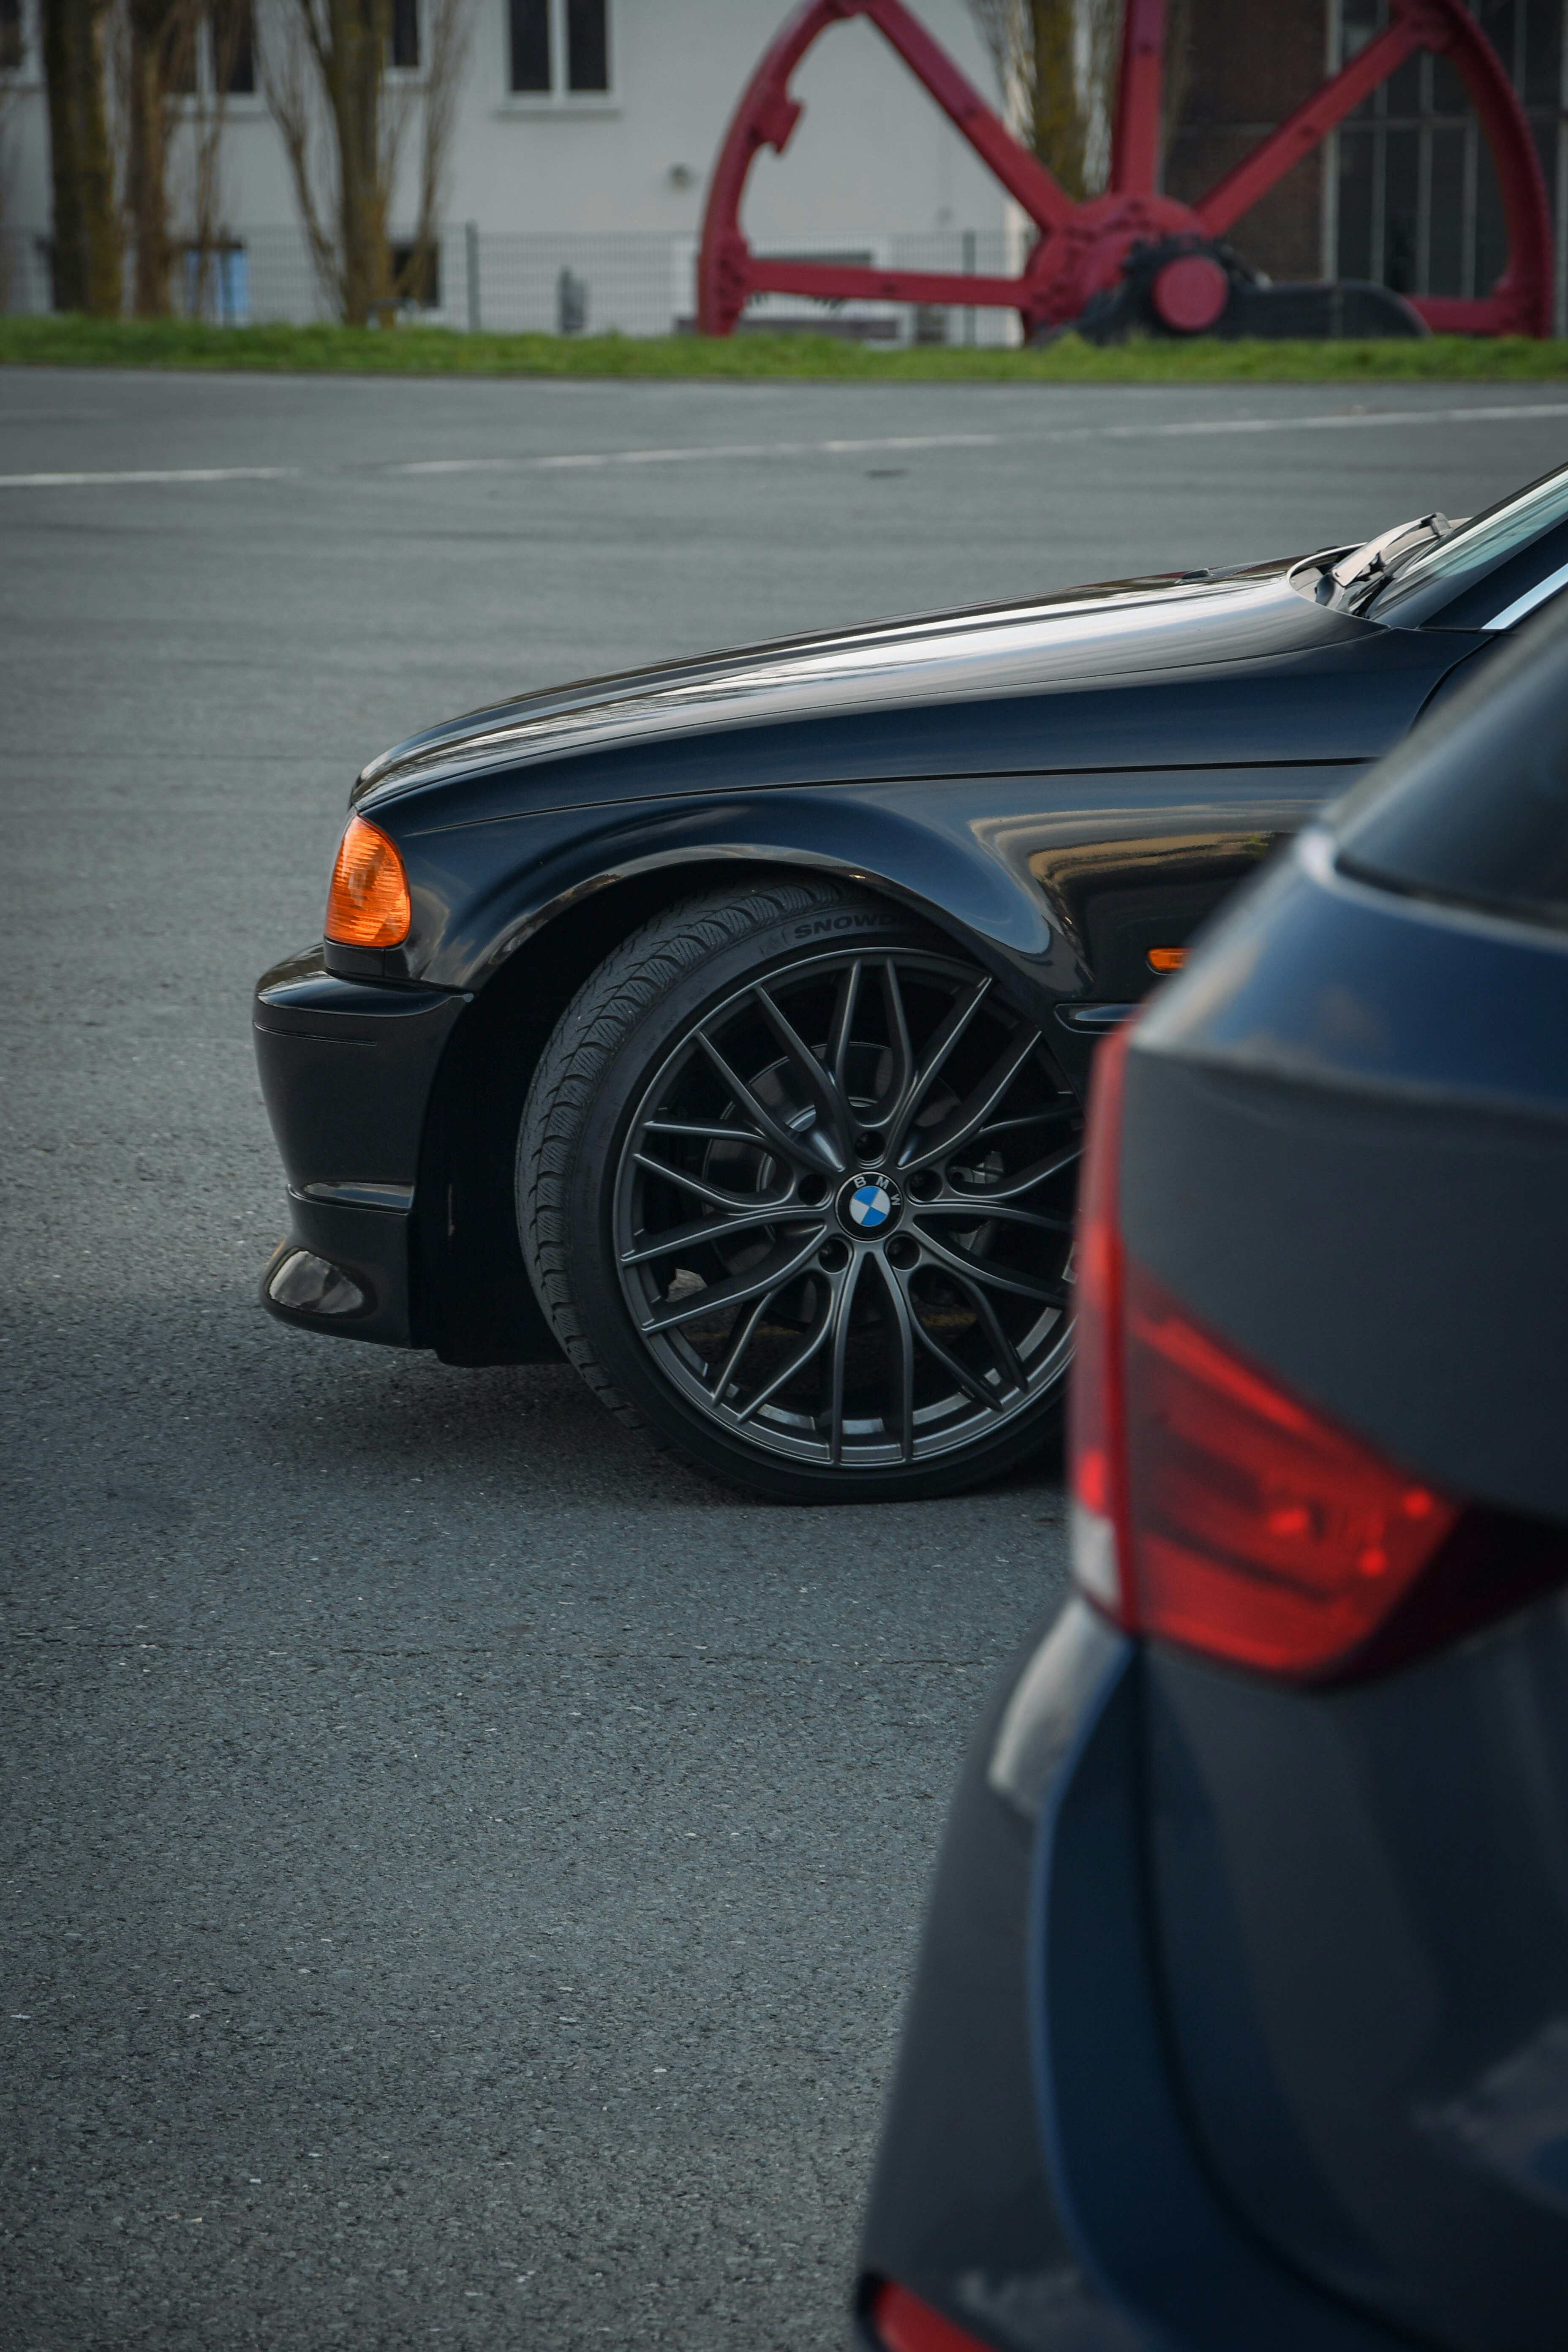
(685, 456)
(148, 474)
(1336, 421)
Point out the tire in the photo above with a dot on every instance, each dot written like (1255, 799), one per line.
(899, 1326)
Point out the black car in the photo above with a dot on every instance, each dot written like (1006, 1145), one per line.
(724, 1026)
(1242, 2021)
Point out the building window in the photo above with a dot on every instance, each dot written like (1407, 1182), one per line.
(531, 44)
(1414, 199)
(560, 48)
(403, 41)
(11, 42)
(232, 33)
(213, 53)
(587, 45)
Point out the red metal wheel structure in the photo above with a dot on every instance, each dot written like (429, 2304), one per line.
(1081, 249)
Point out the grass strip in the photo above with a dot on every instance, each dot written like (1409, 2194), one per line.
(64, 341)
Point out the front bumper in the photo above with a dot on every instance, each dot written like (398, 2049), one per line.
(346, 1070)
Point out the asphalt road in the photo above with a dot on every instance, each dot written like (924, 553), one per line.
(460, 1872)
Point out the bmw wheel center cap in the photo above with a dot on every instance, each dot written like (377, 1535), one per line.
(869, 1206)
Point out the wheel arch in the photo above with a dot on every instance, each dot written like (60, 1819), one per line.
(473, 1301)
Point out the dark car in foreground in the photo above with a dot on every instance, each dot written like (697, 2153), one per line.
(723, 1027)
(1242, 2019)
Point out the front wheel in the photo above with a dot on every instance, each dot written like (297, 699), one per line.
(795, 1185)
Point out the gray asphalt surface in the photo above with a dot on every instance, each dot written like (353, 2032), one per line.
(461, 1872)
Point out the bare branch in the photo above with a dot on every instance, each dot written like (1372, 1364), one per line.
(1056, 64)
(450, 34)
(283, 46)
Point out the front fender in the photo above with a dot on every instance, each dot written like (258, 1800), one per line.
(525, 908)
(514, 912)
(481, 891)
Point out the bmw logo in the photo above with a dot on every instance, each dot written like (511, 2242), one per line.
(869, 1205)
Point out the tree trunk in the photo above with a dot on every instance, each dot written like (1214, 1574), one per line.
(152, 30)
(87, 255)
(361, 28)
(1058, 127)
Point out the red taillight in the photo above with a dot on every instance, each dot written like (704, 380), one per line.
(900, 2322)
(1260, 1532)
(1210, 1506)
(1097, 1449)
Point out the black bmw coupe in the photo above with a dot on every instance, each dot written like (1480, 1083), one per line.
(724, 1027)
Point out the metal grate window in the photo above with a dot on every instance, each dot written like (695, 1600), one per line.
(1411, 199)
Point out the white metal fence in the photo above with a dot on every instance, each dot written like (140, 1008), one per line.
(635, 283)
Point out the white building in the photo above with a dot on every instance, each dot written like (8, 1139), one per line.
(585, 133)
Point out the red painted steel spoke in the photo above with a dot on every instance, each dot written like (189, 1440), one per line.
(1023, 176)
(1140, 91)
(836, 282)
(1299, 132)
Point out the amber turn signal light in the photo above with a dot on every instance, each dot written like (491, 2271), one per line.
(367, 906)
(1167, 958)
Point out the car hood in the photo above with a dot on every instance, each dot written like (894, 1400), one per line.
(1081, 637)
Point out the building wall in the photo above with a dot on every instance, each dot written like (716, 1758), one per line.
(1236, 69)
(1404, 192)
(871, 156)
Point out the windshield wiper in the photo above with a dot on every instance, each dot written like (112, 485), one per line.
(1356, 577)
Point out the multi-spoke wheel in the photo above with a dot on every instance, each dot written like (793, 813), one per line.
(795, 1188)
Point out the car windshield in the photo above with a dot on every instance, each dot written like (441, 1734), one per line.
(1483, 543)
(1473, 808)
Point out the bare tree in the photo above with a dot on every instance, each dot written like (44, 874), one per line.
(156, 55)
(324, 70)
(161, 65)
(230, 44)
(450, 32)
(1056, 62)
(7, 111)
(87, 242)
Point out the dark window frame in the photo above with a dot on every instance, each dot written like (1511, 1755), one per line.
(530, 48)
(587, 27)
(561, 52)
(241, 80)
(405, 47)
(13, 37)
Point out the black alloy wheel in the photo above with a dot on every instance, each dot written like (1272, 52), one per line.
(795, 1190)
